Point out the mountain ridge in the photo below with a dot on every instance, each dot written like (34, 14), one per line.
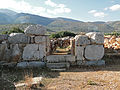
(57, 24)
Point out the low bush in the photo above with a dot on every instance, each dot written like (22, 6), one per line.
(62, 34)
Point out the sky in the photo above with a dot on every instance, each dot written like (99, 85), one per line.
(83, 10)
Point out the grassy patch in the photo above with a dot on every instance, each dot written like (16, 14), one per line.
(89, 82)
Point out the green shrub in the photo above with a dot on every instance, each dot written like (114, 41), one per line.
(62, 34)
(113, 33)
(13, 30)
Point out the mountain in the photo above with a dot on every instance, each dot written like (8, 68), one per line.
(8, 12)
(55, 24)
(30, 18)
(60, 25)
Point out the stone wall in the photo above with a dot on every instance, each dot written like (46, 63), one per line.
(89, 48)
(33, 45)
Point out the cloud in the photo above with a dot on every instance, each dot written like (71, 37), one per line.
(57, 8)
(115, 7)
(92, 11)
(99, 14)
(50, 3)
(26, 7)
(95, 13)
(22, 6)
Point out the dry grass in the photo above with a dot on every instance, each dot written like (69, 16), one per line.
(101, 78)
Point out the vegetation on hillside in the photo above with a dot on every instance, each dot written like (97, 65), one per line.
(13, 30)
(116, 33)
(62, 34)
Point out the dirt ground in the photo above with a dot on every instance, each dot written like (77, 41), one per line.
(87, 78)
(76, 78)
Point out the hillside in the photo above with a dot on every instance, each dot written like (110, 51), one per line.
(9, 18)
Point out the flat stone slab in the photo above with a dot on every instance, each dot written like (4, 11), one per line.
(94, 52)
(32, 64)
(60, 58)
(91, 63)
(35, 30)
(58, 65)
(95, 63)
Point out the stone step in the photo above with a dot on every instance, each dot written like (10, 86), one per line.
(59, 70)
(60, 58)
(58, 65)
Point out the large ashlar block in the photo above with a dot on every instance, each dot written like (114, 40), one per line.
(34, 52)
(31, 52)
(40, 39)
(2, 50)
(42, 49)
(81, 40)
(35, 30)
(79, 52)
(18, 38)
(16, 53)
(3, 37)
(94, 52)
(96, 37)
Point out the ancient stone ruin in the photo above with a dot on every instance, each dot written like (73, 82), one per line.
(33, 49)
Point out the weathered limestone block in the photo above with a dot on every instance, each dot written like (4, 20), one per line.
(94, 52)
(58, 65)
(2, 50)
(94, 63)
(42, 51)
(91, 63)
(34, 52)
(96, 37)
(22, 65)
(31, 52)
(35, 30)
(79, 52)
(60, 58)
(16, 53)
(40, 39)
(18, 38)
(8, 54)
(36, 64)
(3, 37)
(5, 53)
(32, 64)
(81, 40)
